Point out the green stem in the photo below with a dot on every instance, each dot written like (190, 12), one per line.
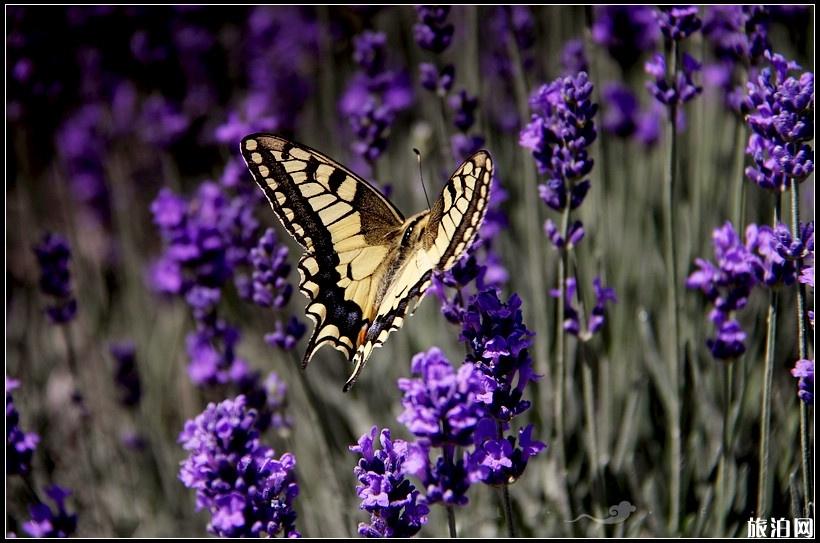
(766, 400)
(803, 351)
(505, 493)
(675, 454)
(723, 501)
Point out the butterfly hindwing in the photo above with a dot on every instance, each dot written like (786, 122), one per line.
(445, 234)
(345, 226)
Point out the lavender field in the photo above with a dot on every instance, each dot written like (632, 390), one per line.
(627, 350)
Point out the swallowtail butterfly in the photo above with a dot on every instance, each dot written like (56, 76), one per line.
(364, 265)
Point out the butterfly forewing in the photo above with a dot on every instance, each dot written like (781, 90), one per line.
(346, 227)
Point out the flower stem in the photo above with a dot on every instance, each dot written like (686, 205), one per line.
(723, 501)
(803, 351)
(766, 400)
(505, 493)
(451, 521)
(675, 454)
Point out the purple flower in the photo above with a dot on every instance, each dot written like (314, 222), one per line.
(728, 283)
(53, 255)
(286, 337)
(374, 97)
(270, 287)
(561, 129)
(442, 405)
(396, 508)
(782, 123)
(47, 523)
(368, 52)
(212, 355)
(445, 481)
(247, 490)
(738, 34)
(626, 32)
(161, 122)
(435, 80)
(804, 371)
(573, 59)
(20, 445)
(126, 375)
(501, 461)
(678, 22)
(572, 320)
(432, 32)
(464, 107)
(499, 343)
(674, 94)
(620, 111)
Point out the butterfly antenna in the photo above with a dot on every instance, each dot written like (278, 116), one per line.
(418, 157)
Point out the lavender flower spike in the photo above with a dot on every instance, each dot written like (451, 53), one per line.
(247, 490)
(53, 255)
(47, 523)
(20, 445)
(396, 508)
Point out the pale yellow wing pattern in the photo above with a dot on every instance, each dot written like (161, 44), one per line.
(439, 237)
(346, 227)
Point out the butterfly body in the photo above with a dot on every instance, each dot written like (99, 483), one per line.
(365, 266)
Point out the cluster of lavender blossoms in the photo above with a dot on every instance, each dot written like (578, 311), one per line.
(559, 133)
(768, 258)
(47, 523)
(396, 507)
(248, 491)
(781, 118)
(668, 87)
(804, 369)
(374, 97)
(20, 445)
(626, 32)
(738, 36)
(54, 255)
(445, 408)
(211, 239)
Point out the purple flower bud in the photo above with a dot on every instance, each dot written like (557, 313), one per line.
(20, 445)
(804, 371)
(53, 255)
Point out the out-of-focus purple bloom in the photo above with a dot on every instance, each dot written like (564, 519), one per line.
(435, 80)
(572, 315)
(649, 126)
(432, 32)
(206, 237)
(678, 22)
(161, 122)
(620, 111)
(442, 405)
(368, 52)
(270, 272)
(374, 97)
(684, 88)
(212, 354)
(782, 123)
(268, 397)
(807, 263)
(20, 445)
(573, 59)
(247, 490)
(126, 375)
(281, 50)
(47, 523)
(54, 255)
(395, 505)
(501, 461)
(603, 296)
(464, 107)
(286, 337)
(804, 371)
(499, 348)
(627, 32)
(445, 481)
(575, 234)
(738, 34)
